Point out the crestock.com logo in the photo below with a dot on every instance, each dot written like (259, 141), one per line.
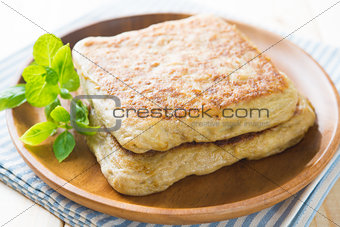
(118, 113)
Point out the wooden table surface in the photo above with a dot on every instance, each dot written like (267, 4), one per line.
(285, 15)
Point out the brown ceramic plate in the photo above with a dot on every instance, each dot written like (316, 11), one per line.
(227, 193)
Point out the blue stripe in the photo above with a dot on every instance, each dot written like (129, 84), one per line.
(336, 62)
(288, 209)
(231, 222)
(125, 223)
(25, 172)
(314, 48)
(337, 78)
(67, 206)
(103, 221)
(333, 75)
(38, 187)
(87, 222)
(33, 179)
(306, 46)
(78, 211)
(93, 214)
(213, 224)
(249, 219)
(329, 59)
(270, 214)
(321, 54)
(49, 192)
(60, 198)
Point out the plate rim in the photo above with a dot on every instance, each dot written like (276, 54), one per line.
(183, 215)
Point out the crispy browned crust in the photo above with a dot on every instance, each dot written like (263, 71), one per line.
(172, 62)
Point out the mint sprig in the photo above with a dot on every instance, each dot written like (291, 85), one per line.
(49, 76)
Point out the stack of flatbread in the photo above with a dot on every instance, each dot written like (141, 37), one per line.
(224, 101)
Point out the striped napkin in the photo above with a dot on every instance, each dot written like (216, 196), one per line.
(298, 210)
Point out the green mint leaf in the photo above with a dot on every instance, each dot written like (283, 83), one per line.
(38, 133)
(84, 126)
(63, 145)
(32, 71)
(45, 48)
(39, 92)
(51, 76)
(65, 94)
(59, 114)
(62, 63)
(50, 107)
(12, 97)
(82, 113)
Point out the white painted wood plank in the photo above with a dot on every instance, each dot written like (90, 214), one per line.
(12, 203)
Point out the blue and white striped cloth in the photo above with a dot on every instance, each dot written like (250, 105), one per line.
(16, 174)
